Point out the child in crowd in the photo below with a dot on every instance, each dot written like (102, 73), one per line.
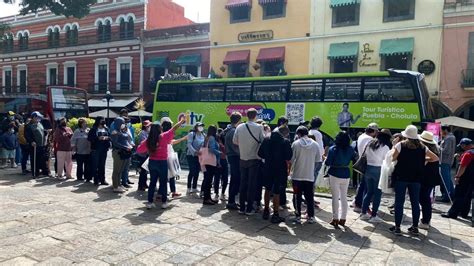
(9, 143)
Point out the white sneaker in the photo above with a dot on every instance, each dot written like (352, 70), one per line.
(312, 220)
(375, 219)
(165, 205)
(189, 191)
(364, 217)
(124, 188)
(150, 205)
(357, 209)
(14, 165)
(424, 226)
(222, 197)
(119, 190)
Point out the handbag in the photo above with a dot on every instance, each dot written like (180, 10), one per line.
(206, 157)
(174, 168)
(361, 165)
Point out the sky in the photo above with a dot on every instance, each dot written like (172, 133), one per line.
(196, 10)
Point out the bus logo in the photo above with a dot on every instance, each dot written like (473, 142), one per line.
(191, 118)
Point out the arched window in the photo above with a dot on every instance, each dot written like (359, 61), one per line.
(126, 28)
(7, 43)
(53, 37)
(71, 35)
(104, 31)
(23, 41)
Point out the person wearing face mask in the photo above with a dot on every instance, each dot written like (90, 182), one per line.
(82, 148)
(9, 143)
(121, 154)
(195, 142)
(35, 137)
(62, 144)
(99, 138)
(146, 125)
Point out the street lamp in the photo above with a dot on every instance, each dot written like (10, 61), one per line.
(108, 97)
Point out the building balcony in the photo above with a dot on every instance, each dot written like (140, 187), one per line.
(468, 78)
(12, 91)
(64, 43)
(114, 88)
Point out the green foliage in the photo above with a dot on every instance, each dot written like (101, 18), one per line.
(72, 123)
(138, 130)
(68, 8)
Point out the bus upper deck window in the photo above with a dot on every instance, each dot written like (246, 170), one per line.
(307, 90)
(238, 92)
(210, 93)
(270, 91)
(388, 89)
(342, 90)
(167, 92)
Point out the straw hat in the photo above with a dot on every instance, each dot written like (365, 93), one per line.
(411, 132)
(427, 137)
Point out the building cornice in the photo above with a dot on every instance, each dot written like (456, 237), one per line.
(175, 41)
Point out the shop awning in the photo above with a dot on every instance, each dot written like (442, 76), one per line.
(237, 57)
(103, 113)
(343, 50)
(117, 102)
(397, 46)
(456, 122)
(271, 54)
(160, 61)
(264, 2)
(189, 60)
(338, 3)
(140, 114)
(238, 3)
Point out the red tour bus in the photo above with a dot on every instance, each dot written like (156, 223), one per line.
(69, 102)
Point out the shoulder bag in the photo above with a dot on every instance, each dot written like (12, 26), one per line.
(361, 165)
(206, 157)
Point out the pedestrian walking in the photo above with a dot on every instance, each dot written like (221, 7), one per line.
(464, 182)
(375, 153)
(221, 179)
(156, 145)
(431, 178)
(248, 136)
(8, 144)
(305, 153)
(364, 139)
(99, 137)
(339, 157)
(63, 148)
(122, 152)
(209, 162)
(35, 136)
(276, 152)
(448, 149)
(233, 157)
(194, 143)
(82, 149)
(410, 155)
(142, 178)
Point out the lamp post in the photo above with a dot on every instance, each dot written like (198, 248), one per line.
(108, 97)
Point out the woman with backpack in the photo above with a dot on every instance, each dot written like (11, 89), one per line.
(195, 141)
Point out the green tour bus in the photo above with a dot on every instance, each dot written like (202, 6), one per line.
(393, 99)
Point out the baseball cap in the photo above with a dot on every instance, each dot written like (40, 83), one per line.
(199, 124)
(465, 141)
(37, 114)
(373, 126)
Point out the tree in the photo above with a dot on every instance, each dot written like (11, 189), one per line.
(68, 8)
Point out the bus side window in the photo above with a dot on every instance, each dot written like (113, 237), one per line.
(307, 90)
(342, 90)
(388, 90)
(212, 93)
(188, 93)
(167, 92)
(238, 92)
(270, 91)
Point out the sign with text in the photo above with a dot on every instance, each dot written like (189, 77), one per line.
(366, 60)
(256, 36)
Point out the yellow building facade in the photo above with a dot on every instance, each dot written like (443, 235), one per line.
(260, 37)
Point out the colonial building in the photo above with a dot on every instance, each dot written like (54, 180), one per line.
(101, 52)
(457, 69)
(259, 37)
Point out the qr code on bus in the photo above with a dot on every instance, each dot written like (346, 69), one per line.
(295, 113)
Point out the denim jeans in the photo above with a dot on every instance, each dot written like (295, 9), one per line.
(172, 182)
(448, 186)
(83, 166)
(414, 192)
(194, 168)
(234, 162)
(98, 160)
(221, 176)
(18, 155)
(374, 194)
(158, 171)
(305, 188)
(361, 189)
(425, 202)
(207, 182)
(125, 172)
(25, 155)
(249, 171)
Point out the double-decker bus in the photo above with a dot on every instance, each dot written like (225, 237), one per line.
(63, 101)
(393, 99)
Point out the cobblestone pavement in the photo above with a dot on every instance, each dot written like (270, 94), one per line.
(54, 222)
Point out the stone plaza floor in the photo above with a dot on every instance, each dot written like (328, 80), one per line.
(53, 222)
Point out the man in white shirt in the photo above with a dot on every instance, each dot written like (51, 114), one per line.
(370, 133)
(248, 136)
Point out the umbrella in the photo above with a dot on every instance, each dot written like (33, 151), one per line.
(456, 122)
(103, 113)
(140, 113)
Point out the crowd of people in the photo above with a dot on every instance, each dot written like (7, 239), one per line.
(260, 161)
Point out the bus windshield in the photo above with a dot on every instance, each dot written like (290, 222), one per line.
(67, 102)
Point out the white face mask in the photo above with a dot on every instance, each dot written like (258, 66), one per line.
(200, 129)
(12, 131)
